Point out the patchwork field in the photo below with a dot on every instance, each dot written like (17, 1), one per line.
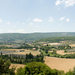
(27, 52)
(60, 63)
(61, 52)
(17, 51)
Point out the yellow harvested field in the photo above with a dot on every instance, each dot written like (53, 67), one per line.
(60, 63)
(17, 66)
(13, 49)
(27, 52)
(61, 52)
(72, 45)
(55, 43)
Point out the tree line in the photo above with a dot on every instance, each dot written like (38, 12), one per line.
(21, 59)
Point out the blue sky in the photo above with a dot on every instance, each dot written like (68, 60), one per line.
(29, 16)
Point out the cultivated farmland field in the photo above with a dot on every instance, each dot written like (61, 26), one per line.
(14, 51)
(60, 63)
(17, 66)
(27, 52)
(72, 45)
(61, 52)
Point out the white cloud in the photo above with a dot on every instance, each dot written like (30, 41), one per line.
(18, 31)
(50, 19)
(21, 31)
(1, 20)
(30, 23)
(17, 22)
(8, 22)
(67, 3)
(67, 20)
(11, 31)
(62, 18)
(57, 2)
(37, 20)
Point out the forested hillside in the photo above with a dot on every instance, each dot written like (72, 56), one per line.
(9, 37)
(57, 39)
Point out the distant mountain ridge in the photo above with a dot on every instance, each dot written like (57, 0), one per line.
(8, 37)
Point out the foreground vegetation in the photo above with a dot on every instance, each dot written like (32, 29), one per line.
(33, 68)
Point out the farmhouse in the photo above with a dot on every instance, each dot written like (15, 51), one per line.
(20, 50)
(34, 48)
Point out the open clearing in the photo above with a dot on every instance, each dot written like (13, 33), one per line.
(17, 66)
(60, 63)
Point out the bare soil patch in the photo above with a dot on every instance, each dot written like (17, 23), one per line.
(60, 63)
(17, 66)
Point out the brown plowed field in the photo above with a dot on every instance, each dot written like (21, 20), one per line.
(60, 63)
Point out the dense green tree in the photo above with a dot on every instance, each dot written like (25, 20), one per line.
(1, 53)
(4, 68)
(36, 68)
(54, 52)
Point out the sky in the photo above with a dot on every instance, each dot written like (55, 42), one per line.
(29, 16)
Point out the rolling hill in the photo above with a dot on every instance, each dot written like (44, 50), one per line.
(9, 37)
